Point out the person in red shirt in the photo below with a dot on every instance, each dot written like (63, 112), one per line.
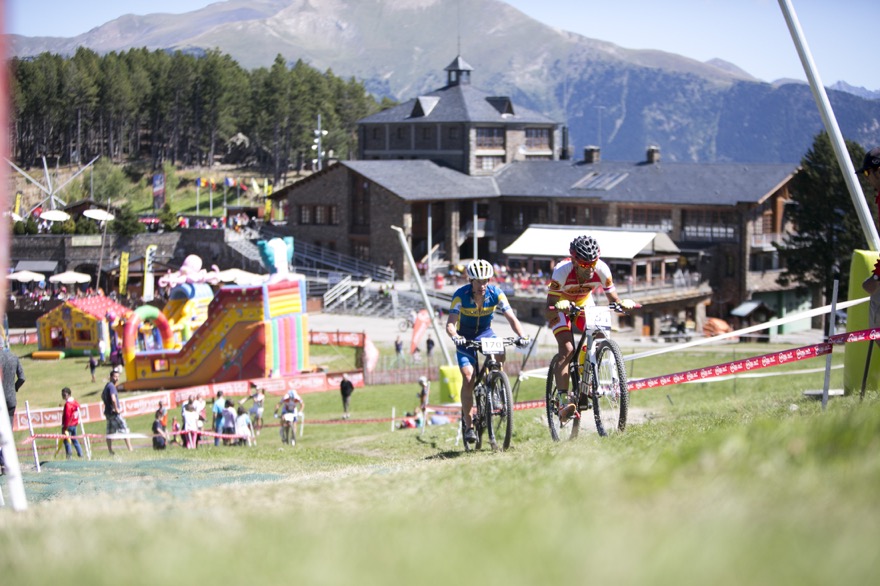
(70, 421)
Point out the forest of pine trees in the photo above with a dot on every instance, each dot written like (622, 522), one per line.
(178, 108)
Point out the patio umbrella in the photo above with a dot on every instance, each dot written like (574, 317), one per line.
(26, 276)
(99, 215)
(70, 278)
(55, 216)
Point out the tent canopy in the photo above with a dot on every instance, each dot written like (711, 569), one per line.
(547, 241)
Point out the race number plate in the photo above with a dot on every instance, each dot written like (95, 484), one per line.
(597, 318)
(492, 345)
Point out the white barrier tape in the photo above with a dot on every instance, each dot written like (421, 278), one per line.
(756, 328)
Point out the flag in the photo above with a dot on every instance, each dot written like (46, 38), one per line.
(423, 320)
(242, 185)
(371, 354)
(256, 187)
(123, 273)
(230, 182)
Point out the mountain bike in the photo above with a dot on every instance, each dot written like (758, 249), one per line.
(597, 378)
(493, 398)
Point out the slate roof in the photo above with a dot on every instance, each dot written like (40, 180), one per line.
(627, 182)
(622, 182)
(418, 180)
(459, 103)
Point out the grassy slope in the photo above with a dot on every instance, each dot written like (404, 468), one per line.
(725, 482)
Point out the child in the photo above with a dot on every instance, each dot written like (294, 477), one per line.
(70, 421)
(228, 416)
(159, 438)
(93, 364)
(244, 428)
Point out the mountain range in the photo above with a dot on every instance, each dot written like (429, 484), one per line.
(621, 99)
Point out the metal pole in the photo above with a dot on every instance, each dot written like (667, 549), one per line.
(27, 408)
(412, 265)
(831, 127)
(831, 332)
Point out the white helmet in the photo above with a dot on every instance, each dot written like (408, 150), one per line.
(479, 269)
(423, 380)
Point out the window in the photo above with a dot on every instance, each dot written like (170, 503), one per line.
(708, 225)
(361, 250)
(334, 215)
(360, 204)
(519, 217)
(490, 138)
(320, 214)
(305, 214)
(645, 219)
(581, 215)
(83, 335)
(538, 138)
(489, 163)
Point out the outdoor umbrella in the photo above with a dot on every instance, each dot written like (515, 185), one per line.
(70, 278)
(26, 276)
(99, 215)
(55, 216)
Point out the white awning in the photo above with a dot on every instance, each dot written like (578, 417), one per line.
(546, 241)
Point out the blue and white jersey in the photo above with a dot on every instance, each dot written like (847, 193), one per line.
(473, 320)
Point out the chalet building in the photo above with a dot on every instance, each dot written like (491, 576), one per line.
(465, 173)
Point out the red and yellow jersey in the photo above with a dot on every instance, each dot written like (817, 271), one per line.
(564, 283)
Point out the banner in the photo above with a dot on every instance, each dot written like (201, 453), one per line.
(423, 320)
(123, 273)
(17, 208)
(371, 354)
(158, 191)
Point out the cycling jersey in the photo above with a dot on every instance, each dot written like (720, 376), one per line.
(473, 320)
(564, 283)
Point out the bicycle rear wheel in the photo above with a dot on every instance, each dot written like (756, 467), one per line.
(499, 415)
(611, 394)
(558, 431)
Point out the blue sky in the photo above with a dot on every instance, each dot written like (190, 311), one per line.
(749, 33)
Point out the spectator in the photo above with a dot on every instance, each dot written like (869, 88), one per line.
(160, 439)
(346, 388)
(190, 426)
(429, 347)
(398, 350)
(70, 422)
(228, 420)
(256, 411)
(244, 428)
(217, 416)
(113, 411)
(13, 378)
(424, 394)
(92, 366)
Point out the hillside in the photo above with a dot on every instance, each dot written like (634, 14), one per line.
(694, 111)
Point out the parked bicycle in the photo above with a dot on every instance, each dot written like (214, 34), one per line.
(597, 377)
(493, 398)
(405, 324)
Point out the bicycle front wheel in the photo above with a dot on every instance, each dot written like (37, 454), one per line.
(611, 394)
(403, 325)
(553, 402)
(499, 415)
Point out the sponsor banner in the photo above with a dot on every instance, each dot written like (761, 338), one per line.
(337, 339)
(730, 368)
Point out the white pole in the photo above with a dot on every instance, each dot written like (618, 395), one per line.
(476, 242)
(428, 272)
(425, 300)
(392, 419)
(87, 444)
(27, 408)
(10, 455)
(831, 127)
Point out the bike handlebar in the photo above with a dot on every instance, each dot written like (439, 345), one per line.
(574, 309)
(477, 344)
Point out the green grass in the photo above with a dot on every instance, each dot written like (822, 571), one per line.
(729, 482)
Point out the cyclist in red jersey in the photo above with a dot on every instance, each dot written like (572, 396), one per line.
(573, 281)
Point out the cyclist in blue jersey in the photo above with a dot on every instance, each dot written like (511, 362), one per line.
(470, 318)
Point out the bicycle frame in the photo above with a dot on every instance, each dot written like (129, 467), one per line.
(484, 403)
(590, 335)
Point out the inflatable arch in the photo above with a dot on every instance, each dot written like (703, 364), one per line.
(129, 334)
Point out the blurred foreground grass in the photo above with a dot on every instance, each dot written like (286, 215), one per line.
(741, 481)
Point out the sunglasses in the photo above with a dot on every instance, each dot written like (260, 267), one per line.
(867, 172)
(586, 264)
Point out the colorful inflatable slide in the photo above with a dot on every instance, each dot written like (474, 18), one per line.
(250, 332)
